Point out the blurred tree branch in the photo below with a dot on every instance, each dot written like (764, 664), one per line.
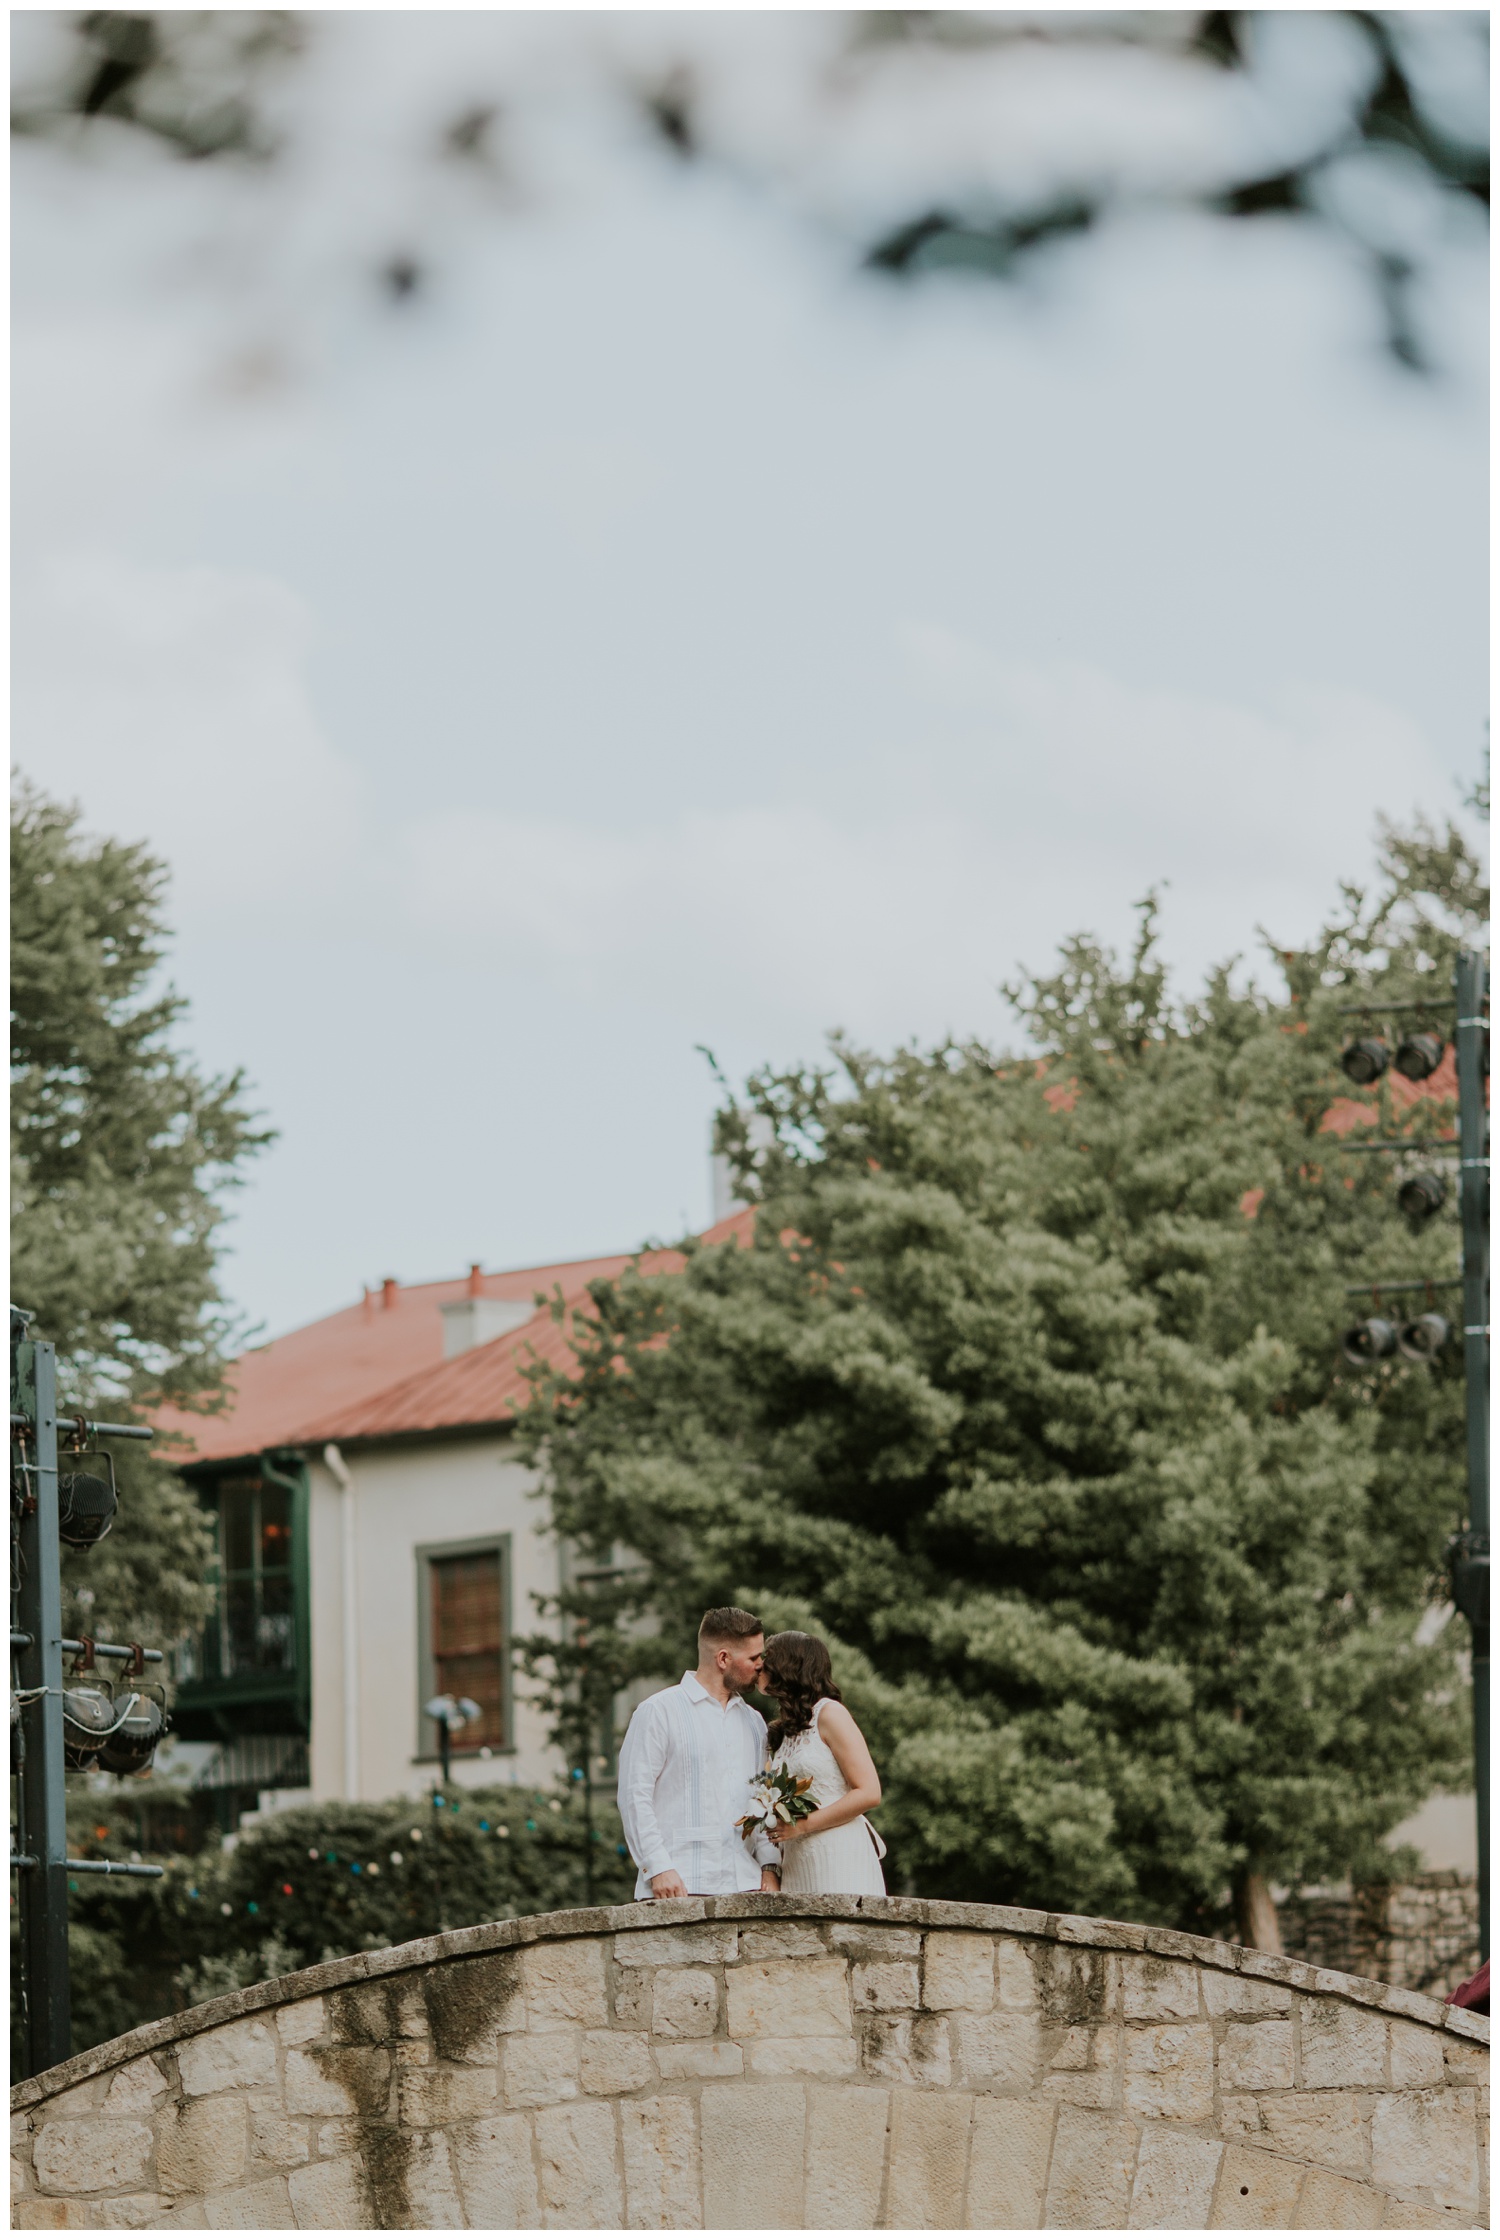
(1405, 142)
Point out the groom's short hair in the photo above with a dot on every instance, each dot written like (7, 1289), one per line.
(728, 1624)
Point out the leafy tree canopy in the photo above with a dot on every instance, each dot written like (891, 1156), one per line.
(120, 1152)
(1026, 1393)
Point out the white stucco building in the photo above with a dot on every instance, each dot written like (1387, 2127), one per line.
(379, 1542)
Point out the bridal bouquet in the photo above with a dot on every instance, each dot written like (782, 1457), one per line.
(778, 1794)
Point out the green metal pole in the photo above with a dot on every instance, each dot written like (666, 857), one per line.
(441, 1799)
(42, 1833)
(586, 1746)
(1471, 1554)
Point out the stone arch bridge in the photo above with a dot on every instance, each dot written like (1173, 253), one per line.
(759, 2062)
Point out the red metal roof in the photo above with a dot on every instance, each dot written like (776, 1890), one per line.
(376, 1370)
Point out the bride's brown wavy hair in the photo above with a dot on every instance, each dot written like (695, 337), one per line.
(797, 1671)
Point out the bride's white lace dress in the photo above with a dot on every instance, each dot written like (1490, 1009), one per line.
(844, 1860)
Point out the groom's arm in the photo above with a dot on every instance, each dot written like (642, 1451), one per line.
(643, 1753)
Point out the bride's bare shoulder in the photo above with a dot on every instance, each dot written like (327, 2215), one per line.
(835, 1718)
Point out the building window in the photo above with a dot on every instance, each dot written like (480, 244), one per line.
(465, 1638)
(251, 1629)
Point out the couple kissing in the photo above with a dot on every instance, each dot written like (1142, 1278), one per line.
(714, 1802)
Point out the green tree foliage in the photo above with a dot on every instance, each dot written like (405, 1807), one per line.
(119, 1145)
(315, 1884)
(1027, 1395)
(120, 1152)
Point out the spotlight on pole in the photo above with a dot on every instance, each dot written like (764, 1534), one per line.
(1421, 1195)
(1420, 1340)
(86, 1506)
(88, 1716)
(138, 1729)
(1365, 1061)
(1419, 1055)
(1372, 1340)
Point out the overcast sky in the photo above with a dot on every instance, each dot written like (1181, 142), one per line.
(653, 633)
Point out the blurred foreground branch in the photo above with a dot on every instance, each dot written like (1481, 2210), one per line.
(931, 140)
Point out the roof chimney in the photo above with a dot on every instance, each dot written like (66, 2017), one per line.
(476, 1281)
(388, 1291)
(472, 1320)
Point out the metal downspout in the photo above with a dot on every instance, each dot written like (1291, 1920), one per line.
(341, 1472)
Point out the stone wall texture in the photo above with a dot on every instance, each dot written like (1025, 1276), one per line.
(1423, 1933)
(765, 2062)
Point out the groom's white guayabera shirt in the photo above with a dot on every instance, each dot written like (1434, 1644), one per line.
(686, 1766)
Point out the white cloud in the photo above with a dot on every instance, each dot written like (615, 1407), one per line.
(1207, 786)
(766, 912)
(1021, 802)
(173, 702)
(1059, 796)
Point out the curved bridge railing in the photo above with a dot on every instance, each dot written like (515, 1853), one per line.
(764, 2062)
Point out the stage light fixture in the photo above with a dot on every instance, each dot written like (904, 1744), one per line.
(131, 1746)
(1365, 1061)
(1421, 1339)
(1418, 1056)
(1421, 1196)
(86, 1507)
(88, 1714)
(1372, 1340)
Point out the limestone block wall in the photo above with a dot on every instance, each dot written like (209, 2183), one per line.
(763, 2062)
(1423, 1933)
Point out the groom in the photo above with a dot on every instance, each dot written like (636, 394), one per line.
(689, 1756)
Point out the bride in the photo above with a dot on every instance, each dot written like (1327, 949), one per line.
(835, 1848)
